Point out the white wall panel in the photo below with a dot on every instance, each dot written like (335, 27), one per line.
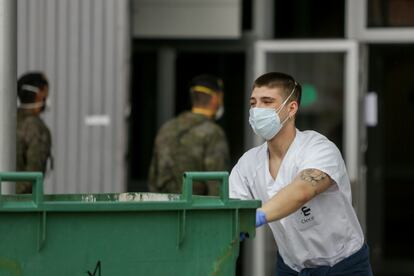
(83, 48)
(187, 18)
(73, 86)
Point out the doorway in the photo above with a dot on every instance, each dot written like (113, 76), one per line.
(389, 158)
(230, 67)
(145, 81)
(328, 73)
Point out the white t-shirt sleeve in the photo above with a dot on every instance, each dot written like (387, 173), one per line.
(323, 155)
(238, 186)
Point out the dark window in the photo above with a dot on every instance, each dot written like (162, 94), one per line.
(390, 13)
(142, 122)
(309, 18)
(247, 9)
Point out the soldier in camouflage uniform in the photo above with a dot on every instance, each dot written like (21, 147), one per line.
(33, 136)
(192, 141)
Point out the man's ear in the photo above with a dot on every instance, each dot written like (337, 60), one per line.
(214, 102)
(293, 108)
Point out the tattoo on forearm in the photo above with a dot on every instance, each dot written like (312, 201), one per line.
(313, 176)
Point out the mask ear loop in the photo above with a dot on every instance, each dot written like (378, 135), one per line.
(31, 105)
(33, 89)
(297, 99)
(285, 101)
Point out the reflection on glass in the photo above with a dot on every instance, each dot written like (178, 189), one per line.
(390, 13)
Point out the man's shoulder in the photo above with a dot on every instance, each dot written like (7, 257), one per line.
(29, 119)
(200, 124)
(183, 125)
(182, 120)
(210, 127)
(32, 130)
(311, 135)
(313, 143)
(169, 127)
(314, 138)
(32, 124)
(250, 163)
(169, 123)
(254, 155)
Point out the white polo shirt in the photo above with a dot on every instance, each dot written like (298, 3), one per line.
(325, 230)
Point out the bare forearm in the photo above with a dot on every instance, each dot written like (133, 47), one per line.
(284, 203)
(308, 184)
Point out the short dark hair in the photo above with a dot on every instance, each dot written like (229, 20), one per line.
(208, 82)
(36, 79)
(282, 80)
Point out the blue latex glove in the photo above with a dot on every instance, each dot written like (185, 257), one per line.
(243, 236)
(260, 218)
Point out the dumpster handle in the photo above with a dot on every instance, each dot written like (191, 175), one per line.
(189, 177)
(36, 178)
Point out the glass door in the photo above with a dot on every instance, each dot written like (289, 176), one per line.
(328, 73)
(387, 29)
(389, 157)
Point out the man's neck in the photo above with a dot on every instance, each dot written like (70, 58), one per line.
(31, 111)
(203, 111)
(280, 144)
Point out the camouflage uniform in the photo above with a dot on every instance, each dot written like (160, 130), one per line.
(33, 146)
(190, 142)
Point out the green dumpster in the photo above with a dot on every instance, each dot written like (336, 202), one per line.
(122, 234)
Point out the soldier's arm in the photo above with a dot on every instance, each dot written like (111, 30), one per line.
(152, 174)
(38, 149)
(38, 141)
(217, 157)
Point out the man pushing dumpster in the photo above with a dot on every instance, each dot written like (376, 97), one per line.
(301, 178)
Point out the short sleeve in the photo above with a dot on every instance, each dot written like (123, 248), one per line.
(323, 155)
(238, 186)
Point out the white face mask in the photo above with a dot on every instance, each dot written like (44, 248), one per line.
(219, 113)
(265, 122)
(44, 105)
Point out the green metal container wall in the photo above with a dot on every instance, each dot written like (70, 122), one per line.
(122, 234)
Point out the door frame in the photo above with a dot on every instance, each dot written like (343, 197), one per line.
(351, 85)
(356, 26)
(352, 134)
